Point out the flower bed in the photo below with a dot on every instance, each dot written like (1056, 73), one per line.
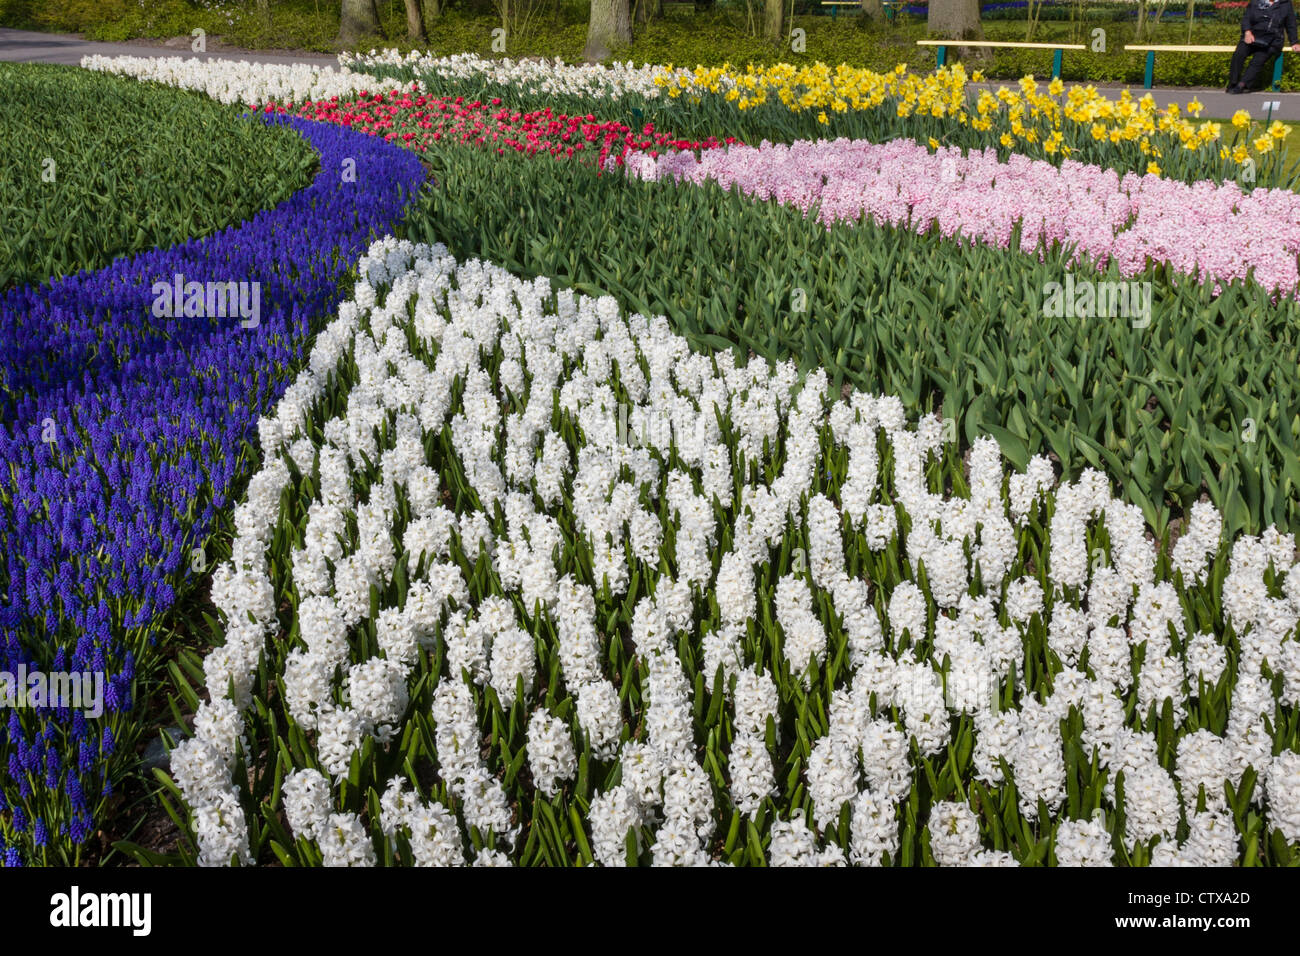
(241, 83)
(418, 122)
(1214, 234)
(533, 582)
(545, 78)
(75, 191)
(524, 579)
(123, 436)
(1192, 402)
(784, 103)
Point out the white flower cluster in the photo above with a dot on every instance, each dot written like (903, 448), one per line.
(535, 76)
(1199, 540)
(430, 829)
(550, 752)
(201, 767)
(794, 844)
(242, 590)
(240, 83)
(590, 468)
(750, 763)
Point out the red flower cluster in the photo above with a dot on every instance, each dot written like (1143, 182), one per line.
(417, 120)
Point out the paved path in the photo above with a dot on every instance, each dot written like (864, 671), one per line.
(25, 46)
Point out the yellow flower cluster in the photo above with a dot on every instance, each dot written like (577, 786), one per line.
(1029, 118)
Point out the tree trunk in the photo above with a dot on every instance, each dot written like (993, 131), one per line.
(609, 29)
(873, 10)
(359, 19)
(956, 20)
(414, 20)
(432, 10)
(647, 10)
(773, 16)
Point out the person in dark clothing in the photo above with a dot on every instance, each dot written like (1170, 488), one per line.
(1262, 28)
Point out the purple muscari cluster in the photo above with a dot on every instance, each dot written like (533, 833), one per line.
(121, 434)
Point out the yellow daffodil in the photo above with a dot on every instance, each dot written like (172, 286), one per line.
(1015, 114)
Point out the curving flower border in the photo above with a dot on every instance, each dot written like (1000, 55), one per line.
(239, 83)
(1214, 233)
(980, 624)
(122, 439)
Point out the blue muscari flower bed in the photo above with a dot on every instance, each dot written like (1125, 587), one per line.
(121, 437)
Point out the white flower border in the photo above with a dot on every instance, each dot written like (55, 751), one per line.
(461, 311)
(242, 83)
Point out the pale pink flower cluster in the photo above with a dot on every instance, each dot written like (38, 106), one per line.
(1215, 233)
